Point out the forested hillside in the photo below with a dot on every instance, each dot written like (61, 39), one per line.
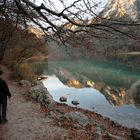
(20, 47)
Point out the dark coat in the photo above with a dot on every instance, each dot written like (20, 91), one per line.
(4, 91)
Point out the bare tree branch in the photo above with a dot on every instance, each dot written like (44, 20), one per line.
(81, 16)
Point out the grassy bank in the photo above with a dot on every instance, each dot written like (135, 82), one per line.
(130, 53)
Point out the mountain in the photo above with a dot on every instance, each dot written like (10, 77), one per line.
(115, 9)
(104, 42)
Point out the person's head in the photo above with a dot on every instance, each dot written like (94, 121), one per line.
(1, 72)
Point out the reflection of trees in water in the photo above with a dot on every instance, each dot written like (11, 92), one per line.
(134, 93)
(126, 70)
(110, 72)
(131, 61)
(119, 97)
(39, 67)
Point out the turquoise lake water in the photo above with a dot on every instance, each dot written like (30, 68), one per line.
(115, 72)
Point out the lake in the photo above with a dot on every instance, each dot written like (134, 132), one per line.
(114, 72)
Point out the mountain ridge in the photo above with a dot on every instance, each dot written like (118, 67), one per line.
(129, 9)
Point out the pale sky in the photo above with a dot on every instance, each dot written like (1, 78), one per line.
(59, 6)
(56, 5)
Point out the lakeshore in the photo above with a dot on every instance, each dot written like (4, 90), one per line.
(30, 120)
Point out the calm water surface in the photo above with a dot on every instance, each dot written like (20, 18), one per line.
(117, 72)
(91, 99)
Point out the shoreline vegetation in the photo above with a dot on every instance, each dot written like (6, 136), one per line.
(130, 53)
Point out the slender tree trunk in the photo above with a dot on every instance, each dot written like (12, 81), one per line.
(4, 39)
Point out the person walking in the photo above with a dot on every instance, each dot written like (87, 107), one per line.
(4, 93)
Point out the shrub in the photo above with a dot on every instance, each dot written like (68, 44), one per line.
(24, 71)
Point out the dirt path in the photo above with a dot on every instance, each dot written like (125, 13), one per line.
(26, 120)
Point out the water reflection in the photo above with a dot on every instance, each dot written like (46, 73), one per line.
(129, 61)
(119, 97)
(111, 73)
(92, 99)
(134, 93)
(117, 78)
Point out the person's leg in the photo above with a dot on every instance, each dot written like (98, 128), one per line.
(4, 110)
(0, 113)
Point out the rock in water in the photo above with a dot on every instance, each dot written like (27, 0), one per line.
(63, 99)
(75, 102)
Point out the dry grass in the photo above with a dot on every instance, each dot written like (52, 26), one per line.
(26, 72)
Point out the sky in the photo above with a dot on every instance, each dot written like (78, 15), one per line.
(56, 5)
(59, 6)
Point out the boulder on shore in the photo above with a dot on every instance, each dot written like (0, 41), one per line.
(41, 94)
(25, 83)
